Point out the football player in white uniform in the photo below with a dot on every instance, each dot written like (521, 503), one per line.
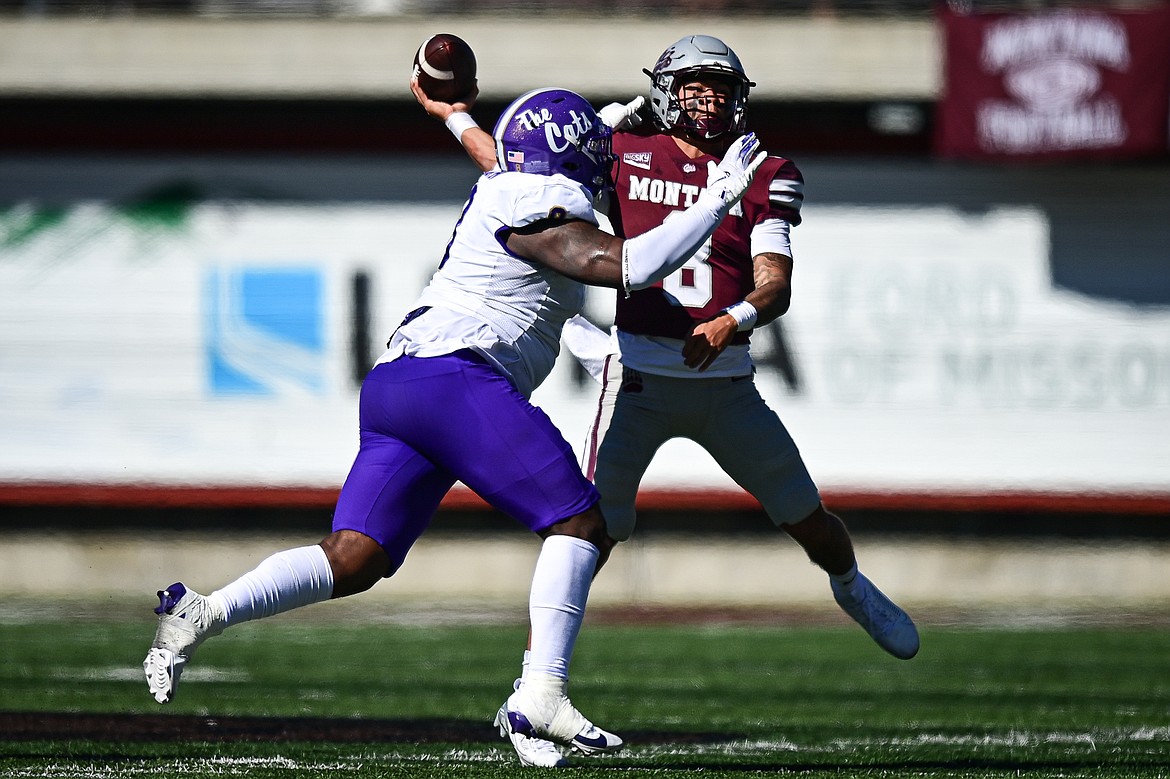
(448, 401)
(684, 367)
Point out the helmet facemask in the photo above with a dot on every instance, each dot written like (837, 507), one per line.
(692, 114)
(594, 158)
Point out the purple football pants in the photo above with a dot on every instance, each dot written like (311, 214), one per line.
(427, 422)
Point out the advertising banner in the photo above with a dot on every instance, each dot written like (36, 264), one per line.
(1055, 84)
(222, 347)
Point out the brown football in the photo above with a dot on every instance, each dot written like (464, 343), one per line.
(445, 67)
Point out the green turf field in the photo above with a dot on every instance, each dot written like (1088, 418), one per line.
(300, 697)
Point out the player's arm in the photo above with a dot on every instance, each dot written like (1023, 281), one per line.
(477, 142)
(772, 274)
(773, 293)
(576, 248)
(481, 146)
(581, 251)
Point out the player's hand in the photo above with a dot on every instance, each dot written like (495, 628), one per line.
(619, 116)
(440, 110)
(730, 178)
(708, 340)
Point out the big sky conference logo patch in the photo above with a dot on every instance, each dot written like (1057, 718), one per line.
(264, 331)
(637, 159)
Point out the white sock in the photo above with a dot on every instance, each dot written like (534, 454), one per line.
(556, 604)
(525, 664)
(284, 581)
(845, 579)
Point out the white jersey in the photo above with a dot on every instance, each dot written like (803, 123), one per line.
(483, 297)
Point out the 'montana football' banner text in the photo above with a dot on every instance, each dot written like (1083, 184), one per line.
(1078, 83)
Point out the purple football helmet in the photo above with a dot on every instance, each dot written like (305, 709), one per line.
(549, 131)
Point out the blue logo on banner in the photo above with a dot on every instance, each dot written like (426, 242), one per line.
(265, 330)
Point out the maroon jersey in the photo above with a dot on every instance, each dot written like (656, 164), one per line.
(652, 179)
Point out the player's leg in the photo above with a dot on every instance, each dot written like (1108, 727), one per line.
(387, 499)
(539, 711)
(825, 539)
(751, 444)
(509, 452)
(285, 580)
(631, 423)
(625, 433)
(534, 750)
(636, 415)
(186, 618)
(543, 484)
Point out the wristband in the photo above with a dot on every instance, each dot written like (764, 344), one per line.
(744, 314)
(458, 123)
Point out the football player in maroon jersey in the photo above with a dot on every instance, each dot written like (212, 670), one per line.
(685, 368)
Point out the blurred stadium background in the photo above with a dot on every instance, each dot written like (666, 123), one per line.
(212, 213)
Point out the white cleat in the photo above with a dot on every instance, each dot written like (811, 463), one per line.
(885, 622)
(533, 752)
(185, 620)
(541, 711)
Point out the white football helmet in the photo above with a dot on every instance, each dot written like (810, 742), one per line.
(688, 57)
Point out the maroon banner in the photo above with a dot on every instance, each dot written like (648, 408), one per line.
(1055, 84)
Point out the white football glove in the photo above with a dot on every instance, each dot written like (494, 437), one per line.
(619, 116)
(730, 178)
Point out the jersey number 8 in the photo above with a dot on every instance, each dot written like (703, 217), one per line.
(690, 285)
